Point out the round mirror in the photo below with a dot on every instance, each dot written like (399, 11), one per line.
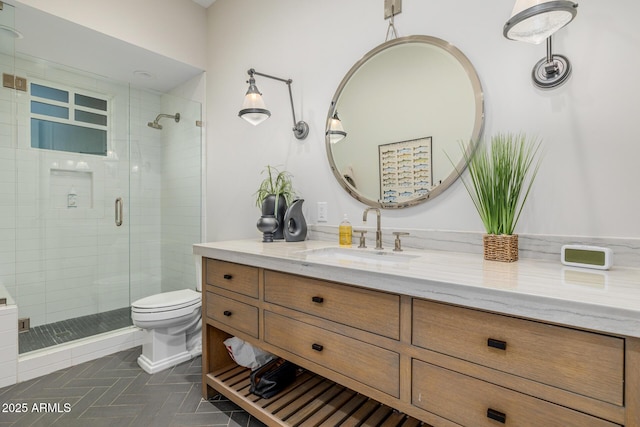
(404, 110)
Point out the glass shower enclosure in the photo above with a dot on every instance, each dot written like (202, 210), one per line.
(99, 208)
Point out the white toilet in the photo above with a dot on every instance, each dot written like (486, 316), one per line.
(172, 326)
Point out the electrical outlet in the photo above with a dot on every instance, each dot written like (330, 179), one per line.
(323, 213)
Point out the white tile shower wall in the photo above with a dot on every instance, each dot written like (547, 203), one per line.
(181, 194)
(72, 262)
(70, 189)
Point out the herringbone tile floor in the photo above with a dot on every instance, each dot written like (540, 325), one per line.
(113, 391)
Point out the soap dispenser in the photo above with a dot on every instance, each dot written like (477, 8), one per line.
(345, 231)
(72, 198)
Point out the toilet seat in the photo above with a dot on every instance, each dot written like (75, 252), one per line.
(167, 301)
(169, 309)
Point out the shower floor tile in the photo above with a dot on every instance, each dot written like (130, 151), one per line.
(64, 331)
(114, 391)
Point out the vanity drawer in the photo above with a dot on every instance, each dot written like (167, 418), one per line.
(372, 311)
(233, 277)
(363, 362)
(586, 363)
(472, 402)
(238, 315)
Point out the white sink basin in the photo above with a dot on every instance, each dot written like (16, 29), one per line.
(369, 256)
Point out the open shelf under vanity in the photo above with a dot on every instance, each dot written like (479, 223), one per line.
(311, 400)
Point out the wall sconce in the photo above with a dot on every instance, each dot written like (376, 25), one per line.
(534, 21)
(336, 132)
(254, 111)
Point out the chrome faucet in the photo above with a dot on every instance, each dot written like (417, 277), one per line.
(378, 229)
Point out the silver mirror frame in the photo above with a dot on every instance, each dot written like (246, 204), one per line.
(473, 140)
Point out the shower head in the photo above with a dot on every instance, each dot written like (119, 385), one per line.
(154, 124)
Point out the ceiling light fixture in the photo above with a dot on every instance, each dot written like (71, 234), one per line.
(144, 74)
(254, 110)
(534, 21)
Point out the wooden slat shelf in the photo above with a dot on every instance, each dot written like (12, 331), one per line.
(310, 401)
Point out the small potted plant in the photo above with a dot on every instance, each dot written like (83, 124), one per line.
(500, 178)
(274, 194)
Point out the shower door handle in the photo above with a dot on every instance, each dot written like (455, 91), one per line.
(118, 211)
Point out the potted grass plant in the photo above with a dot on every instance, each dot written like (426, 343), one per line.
(274, 194)
(500, 177)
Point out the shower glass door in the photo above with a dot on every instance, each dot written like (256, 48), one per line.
(166, 180)
(7, 158)
(73, 183)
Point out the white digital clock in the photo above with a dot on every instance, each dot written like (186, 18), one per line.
(587, 256)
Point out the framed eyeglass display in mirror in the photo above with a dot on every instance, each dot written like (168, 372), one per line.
(404, 111)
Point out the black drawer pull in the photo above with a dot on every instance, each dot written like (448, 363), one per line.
(317, 347)
(319, 300)
(227, 313)
(497, 416)
(228, 277)
(500, 345)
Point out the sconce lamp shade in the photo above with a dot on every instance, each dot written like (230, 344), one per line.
(253, 108)
(336, 131)
(533, 21)
(254, 111)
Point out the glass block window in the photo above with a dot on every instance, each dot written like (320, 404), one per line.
(68, 119)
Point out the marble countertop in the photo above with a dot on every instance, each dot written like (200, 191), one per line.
(604, 301)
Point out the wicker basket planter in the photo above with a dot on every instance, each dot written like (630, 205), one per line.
(501, 174)
(503, 247)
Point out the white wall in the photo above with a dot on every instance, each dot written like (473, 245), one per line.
(586, 186)
(173, 28)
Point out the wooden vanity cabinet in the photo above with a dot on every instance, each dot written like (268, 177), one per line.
(395, 360)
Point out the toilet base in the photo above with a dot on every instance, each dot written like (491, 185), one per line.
(163, 349)
(151, 367)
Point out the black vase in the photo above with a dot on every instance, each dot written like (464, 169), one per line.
(267, 224)
(295, 227)
(268, 208)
